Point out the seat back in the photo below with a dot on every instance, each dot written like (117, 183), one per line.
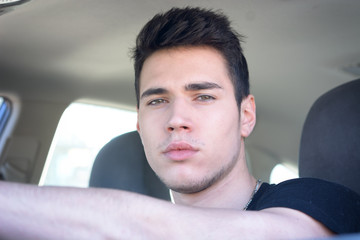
(121, 164)
(330, 142)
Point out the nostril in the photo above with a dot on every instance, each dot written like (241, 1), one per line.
(171, 129)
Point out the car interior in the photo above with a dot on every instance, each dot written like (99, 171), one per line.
(304, 63)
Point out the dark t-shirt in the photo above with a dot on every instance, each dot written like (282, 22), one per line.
(335, 206)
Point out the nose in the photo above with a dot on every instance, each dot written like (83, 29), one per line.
(180, 117)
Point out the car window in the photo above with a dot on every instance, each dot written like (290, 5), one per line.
(82, 131)
(282, 172)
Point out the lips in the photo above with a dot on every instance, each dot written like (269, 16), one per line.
(180, 151)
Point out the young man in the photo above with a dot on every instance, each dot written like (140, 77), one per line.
(194, 112)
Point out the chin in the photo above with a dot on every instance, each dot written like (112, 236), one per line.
(191, 186)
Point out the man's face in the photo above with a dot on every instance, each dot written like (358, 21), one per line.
(188, 118)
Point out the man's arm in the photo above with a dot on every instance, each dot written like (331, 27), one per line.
(53, 212)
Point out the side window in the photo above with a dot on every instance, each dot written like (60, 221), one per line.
(82, 131)
(5, 109)
(282, 172)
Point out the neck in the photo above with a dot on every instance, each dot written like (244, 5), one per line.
(233, 191)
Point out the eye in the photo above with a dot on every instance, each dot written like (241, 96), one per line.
(205, 98)
(156, 102)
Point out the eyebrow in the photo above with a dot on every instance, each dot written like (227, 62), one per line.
(153, 91)
(189, 87)
(201, 86)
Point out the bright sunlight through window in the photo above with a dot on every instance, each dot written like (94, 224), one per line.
(83, 130)
(281, 173)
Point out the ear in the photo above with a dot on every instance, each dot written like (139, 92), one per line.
(137, 122)
(248, 115)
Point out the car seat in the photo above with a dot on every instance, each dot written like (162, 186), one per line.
(121, 164)
(330, 142)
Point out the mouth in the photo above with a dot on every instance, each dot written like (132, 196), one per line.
(180, 151)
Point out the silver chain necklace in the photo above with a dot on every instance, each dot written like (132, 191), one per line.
(258, 182)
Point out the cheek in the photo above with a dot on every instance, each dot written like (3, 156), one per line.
(149, 131)
(225, 121)
(223, 130)
(147, 122)
(148, 142)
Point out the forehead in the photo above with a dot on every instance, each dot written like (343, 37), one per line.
(182, 66)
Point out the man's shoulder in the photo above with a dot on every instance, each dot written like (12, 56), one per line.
(306, 190)
(309, 184)
(328, 202)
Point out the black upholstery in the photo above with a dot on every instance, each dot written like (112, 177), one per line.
(330, 142)
(121, 164)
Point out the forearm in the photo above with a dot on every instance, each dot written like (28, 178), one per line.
(53, 212)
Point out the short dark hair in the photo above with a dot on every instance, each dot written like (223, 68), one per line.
(191, 27)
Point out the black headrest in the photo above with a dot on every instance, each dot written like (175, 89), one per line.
(330, 142)
(121, 164)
